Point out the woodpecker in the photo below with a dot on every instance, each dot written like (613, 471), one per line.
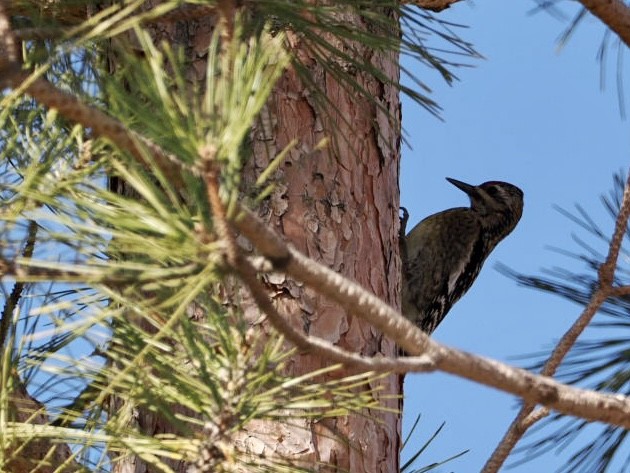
(443, 254)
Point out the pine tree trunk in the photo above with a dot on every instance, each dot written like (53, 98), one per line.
(340, 207)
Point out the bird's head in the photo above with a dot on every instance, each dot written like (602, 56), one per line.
(494, 198)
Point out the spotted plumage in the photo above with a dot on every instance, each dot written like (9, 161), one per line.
(443, 254)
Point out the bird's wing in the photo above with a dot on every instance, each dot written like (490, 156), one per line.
(439, 250)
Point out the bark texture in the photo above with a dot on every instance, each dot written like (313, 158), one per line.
(340, 207)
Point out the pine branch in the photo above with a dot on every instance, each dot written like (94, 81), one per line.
(74, 109)
(535, 389)
(605, 290)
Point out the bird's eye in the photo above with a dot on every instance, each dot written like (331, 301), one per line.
(493, 191)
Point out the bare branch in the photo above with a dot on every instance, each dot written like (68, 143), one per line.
(615, 14)
(607, 270)
(587, 404)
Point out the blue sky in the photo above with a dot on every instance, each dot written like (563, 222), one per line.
(537, 117)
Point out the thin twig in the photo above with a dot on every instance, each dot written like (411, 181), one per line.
(30, 34)
(535, 416)
(101, 124)
(620, 291)
(211, 177)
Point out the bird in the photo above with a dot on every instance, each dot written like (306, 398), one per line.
(443, 254)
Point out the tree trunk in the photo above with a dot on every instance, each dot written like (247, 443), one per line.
(340, 207)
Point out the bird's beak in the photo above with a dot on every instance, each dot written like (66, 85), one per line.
(467, 188)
